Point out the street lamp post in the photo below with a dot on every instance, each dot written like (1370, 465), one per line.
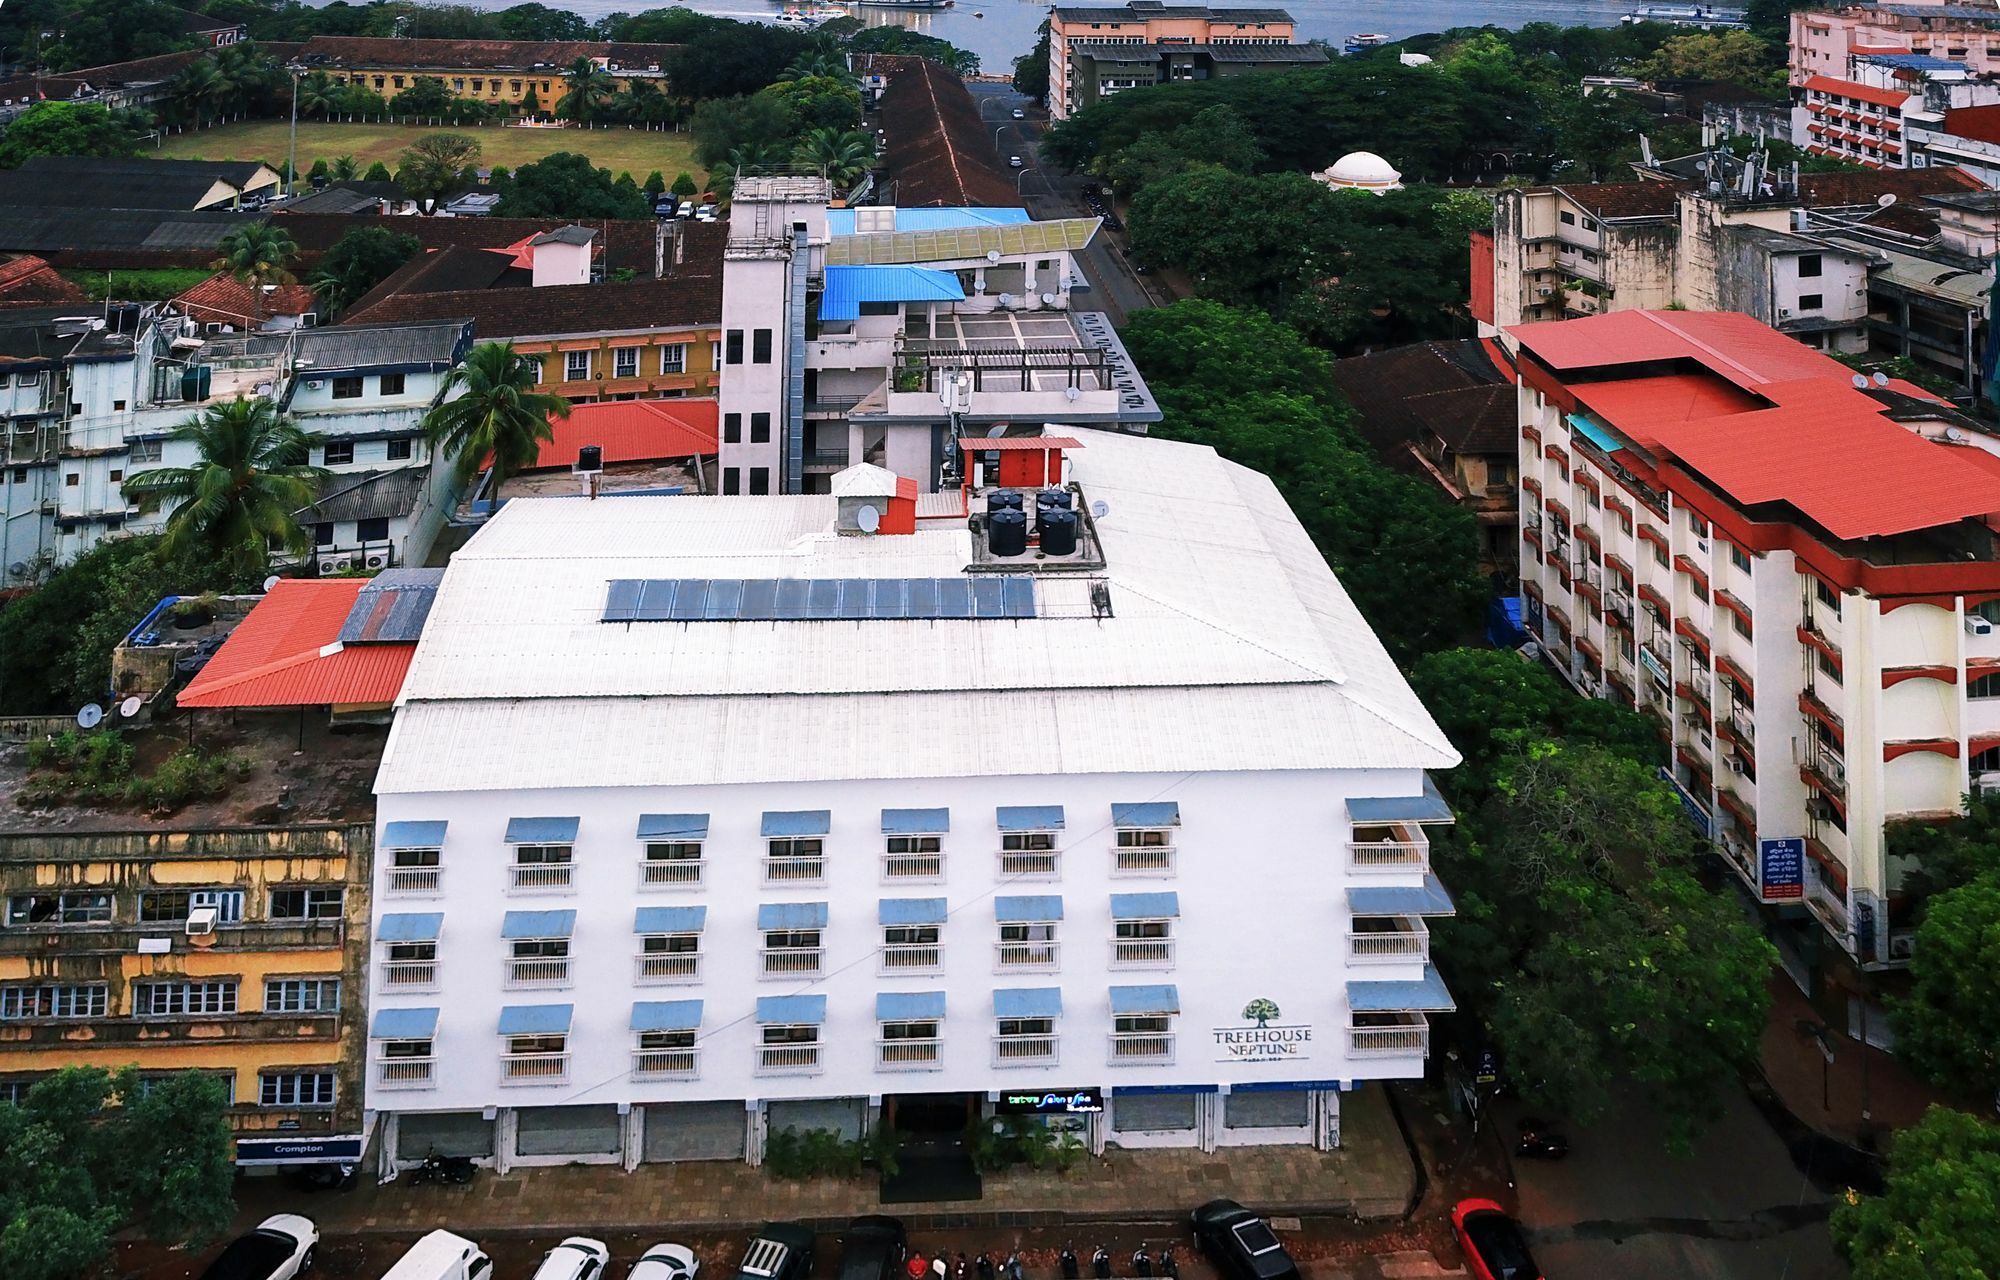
(1019, 177)
(292, 160)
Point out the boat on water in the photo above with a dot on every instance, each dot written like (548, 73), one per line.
(1364, 40)
(1702, 16)
(903, 4)
(811, 16)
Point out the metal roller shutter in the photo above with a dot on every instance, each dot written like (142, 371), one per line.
(568, 1131)
(693, 1131)
(450, 1133)
(1152, 1112)
(1273, 1109)
(842, 1115)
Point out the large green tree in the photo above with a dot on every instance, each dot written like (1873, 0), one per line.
(65, 129)
(240, 500)
(1948, 1025)
(567, 185)
(587, 89)
(1031, 69)
(1935, 1219)
(438, 164)
(359, 261)
(492, 414)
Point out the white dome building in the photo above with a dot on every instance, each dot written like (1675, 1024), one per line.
(1361, 171)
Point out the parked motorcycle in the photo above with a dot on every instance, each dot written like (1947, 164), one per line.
(440, 1169)
(1535, 1140)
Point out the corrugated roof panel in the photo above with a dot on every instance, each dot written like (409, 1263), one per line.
(535, 1019)
(1028, 1002)
(904, 1006)
(791, 1011)
(840, 222)
(1142, 1001)
(848, 287)
(1427, 995)
(404, 1024)
(904, 911)
(792, 915)
(666, 1015)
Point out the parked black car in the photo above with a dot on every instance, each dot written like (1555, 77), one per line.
(873, 1248)
(781, 1251)
(1241, 1244)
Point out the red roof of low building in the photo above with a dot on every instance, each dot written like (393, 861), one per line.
(1003, 444)
(26, 280)
(1860, 92)
(222, 297)
(632, 431)
(287, 653)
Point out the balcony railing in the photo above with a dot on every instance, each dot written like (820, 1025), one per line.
(1388, 855)
(926, 957)
(1148, 1047)
(788, 1060)
(792, 962)
(534, 1068)
(667, 966)
(666, 1064)
(909, 1055)
(1026, 1051)
(680, 873)
(542, 971)
(542, 875)
(403, 1073)
(1388, 946)
(1401, 1041)
(1142, 953)
(1831, 910)
(1153, 860)
(424, 880)
(795, 870)
(405, 974)
(1039, 864)
(913, 866)
(1021, 957)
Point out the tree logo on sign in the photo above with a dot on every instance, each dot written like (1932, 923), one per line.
(1261, 1010)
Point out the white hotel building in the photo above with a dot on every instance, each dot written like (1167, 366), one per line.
(707, 817)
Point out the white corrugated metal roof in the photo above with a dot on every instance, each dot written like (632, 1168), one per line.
(1232, 646)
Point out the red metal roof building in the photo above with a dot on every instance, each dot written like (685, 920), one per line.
(633, 431)
(1797, 576)
(289, 653)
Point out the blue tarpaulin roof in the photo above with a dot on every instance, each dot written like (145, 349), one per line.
(1428, 807)
(1159, 813)
(915, 822)
(896, 1006)
(840, 222)
(413, 835)
(800, 822)
(848, 287)
(792, 915)
(1139, 1001)
(791, 1010)
(1029, 817)
(404, 1024)
(910, 911)
(541, 830)
(535, 1020)
(1027, 1002)
(1145, 906)
(418, 926)
(538, 924)
(673, 826)
(1595, 434)
(666, 1015)
(1013, 910)
(670, 920)
(1426, 899)
(1427, 995)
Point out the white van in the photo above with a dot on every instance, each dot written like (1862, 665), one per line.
(441, 1256)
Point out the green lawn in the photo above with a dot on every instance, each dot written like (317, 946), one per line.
(619, 150)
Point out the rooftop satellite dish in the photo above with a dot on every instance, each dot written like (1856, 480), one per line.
(993, 255)
(89, 715)
(270, 582)
(1100, 509)
(869, 519)
(1881, 379)
(1861, 381)
(1048, 299)
(1886, 199)
(130, 707)
(1071, 393)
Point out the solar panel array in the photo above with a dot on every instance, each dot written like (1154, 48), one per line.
(961, 243)
(818, 599)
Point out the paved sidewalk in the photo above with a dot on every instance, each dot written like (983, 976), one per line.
(1828, 1096)
(1371, 1176)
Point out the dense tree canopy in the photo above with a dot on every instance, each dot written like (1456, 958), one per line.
(65, 129)
(1935, 1219)
(359, 261)
(1948, 1026)
(567, 185)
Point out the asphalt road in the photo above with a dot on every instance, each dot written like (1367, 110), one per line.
(1734, 1208)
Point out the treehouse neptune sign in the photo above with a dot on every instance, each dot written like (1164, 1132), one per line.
(1267, 1041)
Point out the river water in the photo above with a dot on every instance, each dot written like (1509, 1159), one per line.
(1001, 30)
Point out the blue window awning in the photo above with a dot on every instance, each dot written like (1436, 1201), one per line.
(904, 1006)
(848, 287)
(1158, 813)
(535, 1019)
(1426, 995)
(404, 1024)
(1597, 435)
(791, 1011)
(1426, 899)
(916, 822)
(670, 920)
(1027, 908)
(413, 835)
(1027, 1002)
(1428, 807)
(1029, 817)
(538, 924)
(797, 822)
(910, 911)
(1145, 906)
(791, 915)
(416, 926)
(1129, 1002)
(673, 826)
(542, 830)
(666, 1015)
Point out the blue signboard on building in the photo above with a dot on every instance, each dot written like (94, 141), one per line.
(1781, 869)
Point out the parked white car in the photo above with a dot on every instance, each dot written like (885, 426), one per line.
(279, 1249)
(577, 1258)
(665, 1262)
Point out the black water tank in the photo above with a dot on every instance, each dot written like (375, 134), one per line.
(1007, 533)
(1058, 532)
(1004, 500)
(590, 458)
(1058, 499)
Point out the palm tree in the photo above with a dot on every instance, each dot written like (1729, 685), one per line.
(258, 254)
(840, 156)
(756, 156)
(492, 410)
(819, 59)
(344, 169)
(319, 94)
(197, 91)
(243, 497)
(590, 87)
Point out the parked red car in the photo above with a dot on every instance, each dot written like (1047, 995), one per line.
(1494, 1247)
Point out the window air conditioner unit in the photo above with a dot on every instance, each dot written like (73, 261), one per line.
(1986, 782)
(201, 922)
(1977, 626)
(1902, 946)
(315, 384)
(1736, 765)
(1819, 810)
(380, 560)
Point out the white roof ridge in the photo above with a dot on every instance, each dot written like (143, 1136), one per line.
(1317, 671)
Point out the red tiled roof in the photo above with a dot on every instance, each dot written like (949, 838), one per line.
(632, 431)
(546, 57)
(277, 655)
(1625, 199)
(937, 150)
(1862, 92)
(223, 297)
(26, 280)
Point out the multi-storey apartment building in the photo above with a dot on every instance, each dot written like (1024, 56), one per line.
(1824, 40)
(704, 818)
(1096, 51)
(1793, 569)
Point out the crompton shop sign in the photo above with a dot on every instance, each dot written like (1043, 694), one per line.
(340, 1150)
(1268, 1041)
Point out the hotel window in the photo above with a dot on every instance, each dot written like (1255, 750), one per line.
(912, 948)
(409, 964)
(732, 431)
(59, 908)
(535, 363)
(789, 1049)
(733, 345)
(1827, 596)
(538, 962)
(1030, 945)
(67, 1000)
(760, 480)
(760, 346)
(542, 866)
(183, 999)
(296, 1089)
(1145, 849)
(732, 480)
(760, 428)
(171, 906)
(347, 388)
(306, 904)
(674, 358)
(794, 858)
(1142, 944)
(914, 857)
(1987, 686)
(1827, 666)
(910, 1044)
(302, 995)
(1739, 557)
(338, 453)
(1028, 853)
(669, 957)
(625, 362)
(576, 365)
(1737, 624)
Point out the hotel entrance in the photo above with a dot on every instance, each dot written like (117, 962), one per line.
(933, 1151)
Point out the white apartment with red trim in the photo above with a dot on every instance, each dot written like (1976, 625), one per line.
(1798, 578)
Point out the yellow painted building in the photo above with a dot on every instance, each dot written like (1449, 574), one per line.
(639, 365)
(234, 951)
(496, 71)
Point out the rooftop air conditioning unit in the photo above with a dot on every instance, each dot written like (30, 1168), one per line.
(330, 565)
(379, 560)
(1977, 626)
(201, 922)
(314, 384)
